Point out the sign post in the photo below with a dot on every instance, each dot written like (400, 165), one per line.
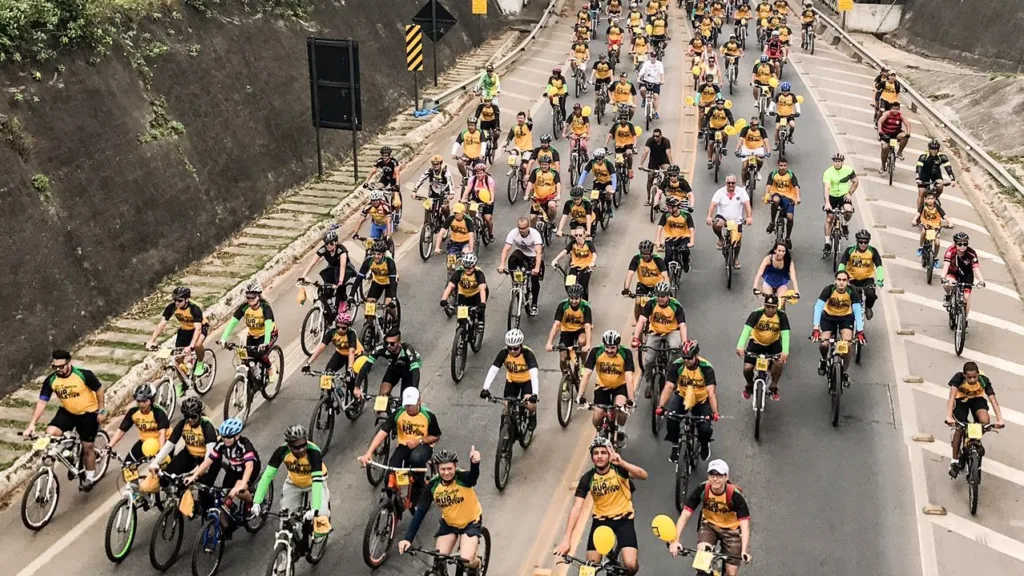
(480, 7)
(414, 59)
(436, 20)
(844, 7)
(334, 91)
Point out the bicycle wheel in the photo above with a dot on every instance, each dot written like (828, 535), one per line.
(321, 423)
(281, 563)
(375, 475)
(426, 243)
(254, 524)
(836, 242)
(653, 209)
(619, 189)
(682, 480)
(960, 331)
(379, 534)
(369, 335)
(166, 396)
(649, 380)
(317, 546)
(810, 41)
(717, 164)
(165, 541)
(312, 329)
(458, 358)
(512, 186)
(730, 257)
(926, 261)
(835, 389)
(120, 535)
(102, 463)
(503, 455)
(275, 375)
(856, 355)
(42, 491)
(525, 436)
(204, 383)
(758, 406)
(477, 341)
(237, 401)
(208, 548)
(566, 391)
(606, 215)
(485, 556)
(973, 479)
(515, 307)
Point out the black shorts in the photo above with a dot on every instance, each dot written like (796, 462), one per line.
(337, 362)
(833, 324)
(624, 529)
(184, 337)
(883, 137)
(606, 396)
(963, 405)
(471, 529)
(408, 378)
(85, 424)
(252, 341)
(839, 201)
(654, 88)
(755, 349)
(232, 477)
(622, 150)
(884, 104)
(486, 209)
(488, 124)
(377, 290)
(471, 301)
(517, 390)
(569, 338)
(606, 82)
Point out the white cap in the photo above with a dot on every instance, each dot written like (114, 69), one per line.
(411, 397)
(718, 466)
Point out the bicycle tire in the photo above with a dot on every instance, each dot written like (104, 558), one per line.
(53, 498)
(238, 384)
(282, 558)
(758, 406)
(118, 555)
(619, 190)
(200, 545)
(485, 560)
(323, 419)
(973, 480)
(717, 164)
(606, 215)
(566, 393)
(836, 390)
(515, 308)
(203, 384)
(656, 420)
(313, 327)
(960, 331)
(176, 521)
(369, 335)
(892, 164)
(653, 209)
(254, 525)
(730, 257)
(836, 244)
(376, 475)
(384, 512)
(426, 243)
(682, 484)
(166, 396)
(317, 548)
(512, 186)
(525, 438)
(458, 355)
(927, 262)
(503, 456)
(270, 390)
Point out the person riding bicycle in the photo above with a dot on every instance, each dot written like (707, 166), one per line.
(347, 348)
(389, 169)
(837, 314)
(544, 152)
(929, 171)
(614, 385)
(524, 250)
(149, 418)
(306, 484)
(639, 47)
(930, 216)
(732, 51)
(622, 93)
(960, 264)
(760, 77)
(417, 432)
(189, 336)
(238, 458)
(544, 187)
(782, 190)
(786, 108)
(665, 321)
(474, 147)
(577, 212)
(863, 263)
(574, 323)
(743, 11)
(774, 50)
(777, 272)
(614, 34)
(336, 255)
(808, 16)
(520, 136)
(614, 9)
(887, 89)
(461, 513)
(380, 215)
(892, 125)
(481, 190)
(651, 76)
(404, 363)
(649, 268)
(259, 322)
(603, 169)
(489, 115)
(624, 133)
(489, 85)
(689, 387)
(730, 203)
(707, 94)
(968, 390)
(767, 332)
(199, 436)
(577, 127)
(716, 119)
(610, 486)
(383, 274)
(840, 184)
(675, 230)
(438, 174)
(472, 287)
(725, 518)
(753, 142)
(582, 259)
(557, 87)
(521, 373)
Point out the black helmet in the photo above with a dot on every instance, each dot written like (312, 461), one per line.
(673, 170)
(690, 349)
(771, 300)
(576, 192)
(380, 247)
(574, 291)
(672, 202)
(934, 144)
(330, 236)
(961, 237)
(385, 150)
(295, 432)
(445, 457)
(646, 247)
(192, 407)
(144, 392)
(545, 139)
(182, 292)
(863, 234)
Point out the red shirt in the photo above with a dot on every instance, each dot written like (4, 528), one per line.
(962, 265)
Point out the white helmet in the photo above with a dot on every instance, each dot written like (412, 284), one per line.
(376, 196)
(254, 286)
(469, 259)
(611, 338)
(514, 337)
(600, 153)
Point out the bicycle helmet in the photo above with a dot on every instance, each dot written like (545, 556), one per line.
(764, 57)
(786, 86)
(514, 337)
(344, 317)
(600, 153)
(775, 33)
(602, 56)
(600, 442)
(468, 260)
(192, 407)
(672, 202)
(144, 392)
(863, 234)
(376, 196)
(479, 166)
(709, 77)
(330, 236)
(380, 247)
(673, 170)
(436, 159)
(690, 349)
(556, 70)
(934, 144)
(663, 289)
(771, 300)
(720, 101)
(230, 428)
(576, 192)
(545, 139)
(837, 157)
(295, 432)
(961, 237)
(254, 287)
(611, 338)
(385, 150)
(182, 293)
(575, 291)
(445, 457)
(732, 36)
(490, 67)
(646, 247)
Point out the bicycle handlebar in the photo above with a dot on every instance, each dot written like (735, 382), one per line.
(398, 469)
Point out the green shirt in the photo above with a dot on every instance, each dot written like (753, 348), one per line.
(839, 181)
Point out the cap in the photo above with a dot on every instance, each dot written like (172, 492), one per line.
(718, 466)
(411, 397)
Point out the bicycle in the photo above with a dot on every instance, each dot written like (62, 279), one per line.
(741, 33)
(377, 321)
(469, 333)
(170, 525)
(657, 177)
(515, 184)
(336, 397)
(783, 136)
(836, 236)
(648, 105)
(930, 250)
(44, 487)
(708, 562)
(807, 42)
(542, 222)
(836, 376)
(557, 118)
(316, 321)
(729, 250)
(689, 452)
(491, 136)
(178, 367)
(434, 221)
(957, 310)
(971, 453)
(673, 259)
(396, 498)
(250, 377)
(750, 170)
(602, 207)
(519, 297)
(442, 561)
(654, 379)
(608, 565)
(294, 538)
(609, 427)
(569, 385)
(600, 102)
(579, 79)
(890, 158)
(623, 175)
(732, 72)
(483, 232)
(575, 158)
(762, 378)
(716, 152)
(763, 95)
(383, 407)
(515, 426)
(122, 524)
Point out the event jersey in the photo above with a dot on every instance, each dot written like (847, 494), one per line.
(929, 167)
(694, 380)
(601, 169)
(636, 18)
(962, 266)
(581, 255)
(697, 45)
(663, 319)
(457, 500)
(149, 423)
(487, 112)
(378, 214)
(717, 10)
(579, 125)
(581, 51)
(573, 319)
(743, 12)
(839, 304)
(890, 90)
(541, 153)
(234, 457)
(782, 6)
(718, 118)
(405, 359)
(614, 33)
(255, 319)
(861, 265)
(387, 169)
(623, 91)
(471, 143)
(658, 26)
(625, 134)
(679, 190)
(578, 213)
(700, 8)
(763, 72)
(764, 10)
(723, 510)
(785, 104)
(839, 181)
(468, 284)
(785, 33)
(652, 7)
(783, 183)
(459, 229)
(966, 390)
(708, 93)
(773, 48)
(556, 86)
(517, 366)
(932, 216)
(410, 427)
(381, 272)
(611, 369)
(196, 437)
(707, 27)
(614, 6)
(344, 342)
(612, 492)
(333, 259)
(648, 272)
(187, 317)
(76, 392)
(544, 183)
(732, 49)
(640, 45)
(521, 136)
(766, 330)
(675, 227)
(302, 470)
(603, 70)
(807, 16)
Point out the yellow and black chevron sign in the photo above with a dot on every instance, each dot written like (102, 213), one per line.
(414, 47)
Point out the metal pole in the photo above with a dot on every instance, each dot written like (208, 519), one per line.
(316, 106)
(433, 27)
(415, 90)
(352, 102)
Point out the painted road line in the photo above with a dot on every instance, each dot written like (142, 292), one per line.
(980, 534)
(942, 392)
(530, 83)
(866, 110)
(976, 316)
(537, 71)
(863, 86)
(946, 196)
(942, 243)
(847, 120)
(989, 286)
(548, 60)
(852, 96)
(874, 160)
(968, 353)
(874, 142)
(843, 62)
(988, 465)
(513, 95)
(910, 210)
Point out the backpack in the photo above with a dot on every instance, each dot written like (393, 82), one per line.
(729, 489)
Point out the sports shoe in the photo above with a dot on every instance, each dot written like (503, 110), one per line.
(686, 267)
(771, 227)
(954, 469)
(846, 380)
(869, 313)
(705, 451)
(533, 310)
(775, 394)
(821, 367)
(828, 248)
(673, 457)
(920, 252)
(747, 391)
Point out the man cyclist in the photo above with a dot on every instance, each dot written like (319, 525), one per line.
(389, 169)
(863, 263)
(380, 216)
(577, 128)
(767, 332)
(544, 187)
(610, 485)
(665, 321)
(689, 387)
(582, 260)
(732, 51)
(716, 119)
(347, 348)
(753, 142)
(460, 230)
(929, 171)
(674, 185)
(675, 231)
(148, 418)
(481, 190)
(489, 84)
(614, 34)
(521, 136)
(417, 431)
(651, 76)
(887, 90)
(786, 108)
(760, 76)
(542, 152)
(472, 287)
(968, 390)
(774, 50)
(259, 322)
(622, 93)
(527, 253)
(383, 274)
(189, 336)
(614, 385)
(557, 87)
(837, 314)
(489, 115)
(605, 176)
(624, 134)
(306, 484)
(657, 154)
(707, 93)
(639, 47)
(930, 216)
(580, 51)
(199, 436)
(840, 184)
(442, 184)
(892, 125)
(474, 147)
(238, 458)
(577, 212)
(404, 363)
(336, 255)
(960, 264)
(649, 268)
(521, 373)
(783, 191)
(729, 204)
(574, 323)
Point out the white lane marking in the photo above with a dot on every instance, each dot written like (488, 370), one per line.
(531, 83)
(866, 110)
(988, 466)
(874, 141)
(859, 85)
(936, 304)
(969, 353)
(548, 60)
(910, 210)
(847, 120)
(535, 71)
(989, 286)
(942, 392)
(874, 162)
(843, 72)
(845, 61)
(910, 188)
(507, 94)
(944, 244)
(980, 534)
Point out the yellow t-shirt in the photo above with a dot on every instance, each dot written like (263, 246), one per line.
(76, 392)
(889, 93)
(658, 26)
(663, 319)
(783, 183)
(785, 104)
(612, 492)
(603, 70)
(763, 73)
(459, 229)
(611, 369)
(544, 183)
(457, 501)
(719, 119)
(622, 92)
(692, 378)
(838, 303)
(471, 143)
(522, 137)
(625, 134)
(680, 226)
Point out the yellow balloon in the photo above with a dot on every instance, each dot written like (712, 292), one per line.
(150, 447)
(587, 111)
(730, 130)
(689, 101)
(799, 99)
(664, 528)
(360, 362)
(741, 124)
(637, 130)
(485, 196)
(764, 22)
(695, 70)
(728, 104)
(773, 82)
(648, 28)
(604, 540)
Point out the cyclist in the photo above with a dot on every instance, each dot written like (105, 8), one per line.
(807, 18)
(716, 119)
(614, 9)
(460, 230)
(557, 87)
(489, 115)
(577, 213)
(929, 171)
(542, 152)
(336, 255)
(188, 314)
(653, 6)
(658, 155)
(610, 484)
(480, 189)
(199, 436)
(636, 20)
(725, 518)
(863, 263)
(649, 269)
(615, 385)
(461, 514)
(404, 363)
(729, 204)
(753, 142)
(237, 457)
(707, 93)
(892, 125)
(732, 51)
(438, 174)
(380, 215)
(622, 93)
(582, 259)
(675, 230)
(968, 390)
(471, 284)
(785, 108)
(659, 33)
(347, 348)
(605, 175)
(837, 314)
(383, 273)
(961, 264)
(521, 136)
(389, 169)
(743, 12)
(929, 216)
(489, 84)
(624, 133)
(783, 191)
(545, 188)
(474, 147)
(689, 387)
(840, 184)
(600, 74)
(615, 34)
(149, 418)
(773, 49)
(760, 76)
(527, 253)
(639, 47)
(887, 90)
(578, 126)
(306, 484)
(417, 431)
(767, 332)
(521, 373)
(651, 76)
(574, 322)
(259, 321)
(81, 409)
(777, 272)
(667, 324)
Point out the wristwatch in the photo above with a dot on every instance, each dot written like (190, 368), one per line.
(102, 411)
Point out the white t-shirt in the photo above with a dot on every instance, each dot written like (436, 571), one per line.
(731, 208)
(651, 72)
(524, 245)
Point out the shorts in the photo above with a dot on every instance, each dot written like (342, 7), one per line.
(624, 529)
(184, 337)
(605, 82)
(839, 201)
(453, 247)
(408, 378)
(884, 104)
(85, 424)
(569, 338)
(295, 498)
(488, 125)
(654, 88)
(953, 276)
(231, 477)
(786, 203)
(883, 137)
(729, 538)
(833, 324)
(759, 152)
(486, 209)
(606, 396)
(755, 349)
(963, 405)
(378, 231)
(471, 529)
(517, 389)
(774, 277)
(378, 290)
(623, 150)
(739, 225)
(252, 341)
(337, 362)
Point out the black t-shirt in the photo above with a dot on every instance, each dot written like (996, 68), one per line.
(334, 260)
(234, 457)
(659, 152)
(387, 169)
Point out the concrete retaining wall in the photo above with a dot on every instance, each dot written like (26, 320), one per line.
(874, 18)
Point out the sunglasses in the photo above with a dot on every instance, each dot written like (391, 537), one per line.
(179, 300)
(297, 447)
(393, 344)
(862, 241)
(252, 296)
(59, 367)
(515, 349)
(961, 244)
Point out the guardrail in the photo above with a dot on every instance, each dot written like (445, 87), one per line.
(459, 89)
(994, 168)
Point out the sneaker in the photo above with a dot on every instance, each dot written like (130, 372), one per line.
(710, 164)
(846, 380)
(533, 310)
(821, 367)
(869, 313)
(900, 157)
(954, 469)
(920, 252)
(747, 391)
(827, 249)
(775, 394)
(620, 438)
(882, 170)
(199, 370)
(938, 265)
(686, 267)
(179, 390)
(532, 422)
(673, 457)
(846, 231)
(771, 227)
(86, 485)
(630, 172)
(705, 451)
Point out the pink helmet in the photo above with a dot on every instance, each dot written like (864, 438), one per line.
(344, 317)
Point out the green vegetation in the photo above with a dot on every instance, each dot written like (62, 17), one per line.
(13, 135)
(160, 126)
(41, 183)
